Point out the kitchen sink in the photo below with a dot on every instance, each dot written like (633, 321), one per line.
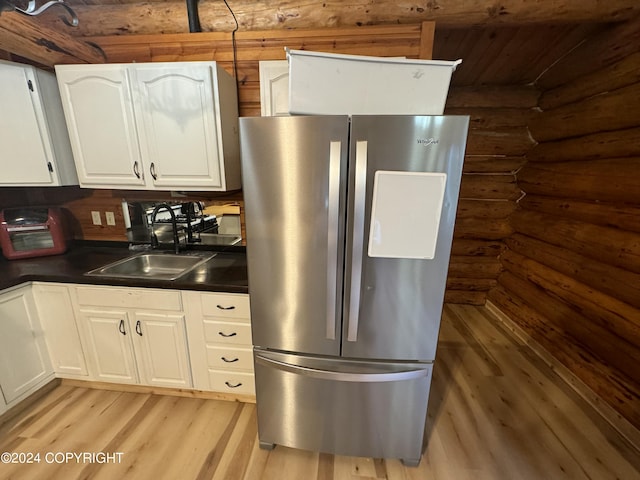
(153, 265)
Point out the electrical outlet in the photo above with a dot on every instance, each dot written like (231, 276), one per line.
(110, 217)
(95, 217)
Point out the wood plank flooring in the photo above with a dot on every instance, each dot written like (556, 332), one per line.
(496, 412)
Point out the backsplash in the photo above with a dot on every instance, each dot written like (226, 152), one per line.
(81, 202)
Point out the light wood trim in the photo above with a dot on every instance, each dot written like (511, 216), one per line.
(175, 392)
(427, 34)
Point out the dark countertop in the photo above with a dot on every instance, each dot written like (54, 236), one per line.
(229, 275)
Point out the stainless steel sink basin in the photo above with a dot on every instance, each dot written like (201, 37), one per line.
(153, 265)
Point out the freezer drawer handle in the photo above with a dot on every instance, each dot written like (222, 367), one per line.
(333, 210)
(343, 376)
(225, 359)
(358, 240)
(220, 307)
(227, 335)
(233, 386)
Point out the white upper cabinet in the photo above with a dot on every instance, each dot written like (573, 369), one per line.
(99, 111)
(34, 139)
(274, 88)
(167, 126)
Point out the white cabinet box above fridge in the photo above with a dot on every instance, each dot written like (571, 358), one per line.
(334, 84)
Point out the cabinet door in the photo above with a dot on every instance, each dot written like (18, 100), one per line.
(60, 329)
(274, 88)
(99, 112)
(179, 125)
(26, 147)
(110, 347)
(161, 349)
(24, 361)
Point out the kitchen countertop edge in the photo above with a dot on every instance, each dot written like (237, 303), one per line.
(82, 257)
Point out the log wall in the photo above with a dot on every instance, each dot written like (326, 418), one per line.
(497, 142)
(571, 276)
(496, 147)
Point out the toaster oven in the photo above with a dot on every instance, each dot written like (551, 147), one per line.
(32, 232)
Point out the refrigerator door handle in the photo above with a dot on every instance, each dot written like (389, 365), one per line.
(332, 236)
(358, 239)
(343, 376)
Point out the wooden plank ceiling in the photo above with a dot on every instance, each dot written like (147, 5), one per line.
(510, 43)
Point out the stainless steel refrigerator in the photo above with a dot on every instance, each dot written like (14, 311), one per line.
(349, 223)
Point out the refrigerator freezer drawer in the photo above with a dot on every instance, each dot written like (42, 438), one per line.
(355, 408)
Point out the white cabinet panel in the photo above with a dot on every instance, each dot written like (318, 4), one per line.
(232, 382)
(60, 329)
(110, 345)
(98, 107)
(219, 335)
(24, 360)
(178, 128)
(133, 336)
(161, 345)
(153, 125)
(274, 88)
(35, 143)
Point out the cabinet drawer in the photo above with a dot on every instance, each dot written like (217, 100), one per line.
(225, 305)
(232, 382)
(231, 333)
(235, 358)
(130, 298)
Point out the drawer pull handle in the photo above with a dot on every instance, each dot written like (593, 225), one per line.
(227, 335)
(138, 328)
(224, 359)
(121, 327)
(233, 386)
(232, 307)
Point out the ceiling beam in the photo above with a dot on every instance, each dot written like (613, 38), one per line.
(25, 36)
(171, 16)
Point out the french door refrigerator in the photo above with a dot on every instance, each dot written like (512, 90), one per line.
(349, 223)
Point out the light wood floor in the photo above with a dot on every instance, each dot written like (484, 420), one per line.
(496, 412)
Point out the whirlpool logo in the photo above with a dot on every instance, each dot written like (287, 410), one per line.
(427, 141)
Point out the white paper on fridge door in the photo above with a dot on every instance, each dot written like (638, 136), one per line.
(405, 214)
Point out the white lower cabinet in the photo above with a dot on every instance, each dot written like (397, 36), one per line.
(109, 345)
(219, 333)
(58, 321)
(136, 342)
(24, 360)
(154, 337)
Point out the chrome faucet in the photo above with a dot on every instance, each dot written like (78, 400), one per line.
(174, 225)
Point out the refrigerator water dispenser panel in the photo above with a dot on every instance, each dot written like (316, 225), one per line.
(405, 214)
